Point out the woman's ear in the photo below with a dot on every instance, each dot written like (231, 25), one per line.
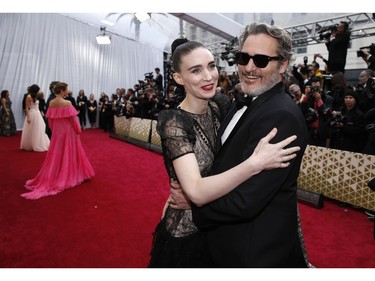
(178, 79)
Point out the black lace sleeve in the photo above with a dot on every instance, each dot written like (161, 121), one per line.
(223, 102)
(175, 128)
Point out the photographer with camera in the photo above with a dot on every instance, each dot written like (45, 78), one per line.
(348, 125)
(368, 55)
(316, 107)
(337, 45)
(337, 90)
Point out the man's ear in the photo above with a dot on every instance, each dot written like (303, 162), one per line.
(283, 66)
(178, 79)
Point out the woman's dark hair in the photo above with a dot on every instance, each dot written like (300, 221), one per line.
(33, 91)
(183, 50)
(52, 85)
(4, 94)
(177, 42)
(59, 87)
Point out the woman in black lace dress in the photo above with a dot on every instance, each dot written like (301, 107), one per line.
(82, 107)
(188, 136)
(7, 121)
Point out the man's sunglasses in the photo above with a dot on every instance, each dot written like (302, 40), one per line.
(260, 61)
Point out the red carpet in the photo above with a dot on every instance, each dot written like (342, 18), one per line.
(107, 222)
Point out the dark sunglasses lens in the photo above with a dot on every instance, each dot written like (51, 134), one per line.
(260, 61)
(242, 58)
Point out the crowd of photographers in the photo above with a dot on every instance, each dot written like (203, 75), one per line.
(144, 100)
(147, 98)
(338, 115)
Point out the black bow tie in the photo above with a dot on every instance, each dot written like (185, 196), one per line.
(241, 100)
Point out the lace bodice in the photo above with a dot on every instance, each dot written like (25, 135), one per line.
(181, 133)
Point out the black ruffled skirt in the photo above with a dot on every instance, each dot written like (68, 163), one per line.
(178, 252)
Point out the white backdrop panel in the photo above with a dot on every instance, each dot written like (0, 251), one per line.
(40, 48)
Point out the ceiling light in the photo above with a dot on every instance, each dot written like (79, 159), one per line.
(142, 16)
(103, 38)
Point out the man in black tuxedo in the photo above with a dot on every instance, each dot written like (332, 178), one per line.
(24, 101)
(257, 224)
(51, 97)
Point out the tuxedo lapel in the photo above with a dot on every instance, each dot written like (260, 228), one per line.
(223, 125)
(238, 124)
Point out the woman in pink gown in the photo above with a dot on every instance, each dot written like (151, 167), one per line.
(66, 164)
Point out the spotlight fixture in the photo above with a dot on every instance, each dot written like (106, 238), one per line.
(142, 16)
(103, 37)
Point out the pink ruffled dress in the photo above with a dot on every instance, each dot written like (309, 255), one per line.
(66, 164)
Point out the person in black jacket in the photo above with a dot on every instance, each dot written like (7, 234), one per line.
(369, 118)
(70, 98)
(159, 80)
(337, 46)
(50, 98)
(349, 125)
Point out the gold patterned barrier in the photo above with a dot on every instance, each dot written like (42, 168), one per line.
(339, 175)
(139, 133)
(122, 126)
(155, 138)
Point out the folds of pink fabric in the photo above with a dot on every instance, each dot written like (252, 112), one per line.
(66, 164)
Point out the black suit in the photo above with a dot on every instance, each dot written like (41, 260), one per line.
(51, 97)
(159, 83)
(255, 225)
(24, 102)
(337, 51)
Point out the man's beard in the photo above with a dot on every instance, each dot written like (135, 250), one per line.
(274, 79)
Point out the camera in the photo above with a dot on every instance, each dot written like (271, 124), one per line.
(310, 96)
(311, 115)
(360, 54)
(325, 33)
(339, 118)
(149, 75)
(371, 49)
(315, 89)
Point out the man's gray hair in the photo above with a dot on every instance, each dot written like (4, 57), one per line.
(285, 43)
